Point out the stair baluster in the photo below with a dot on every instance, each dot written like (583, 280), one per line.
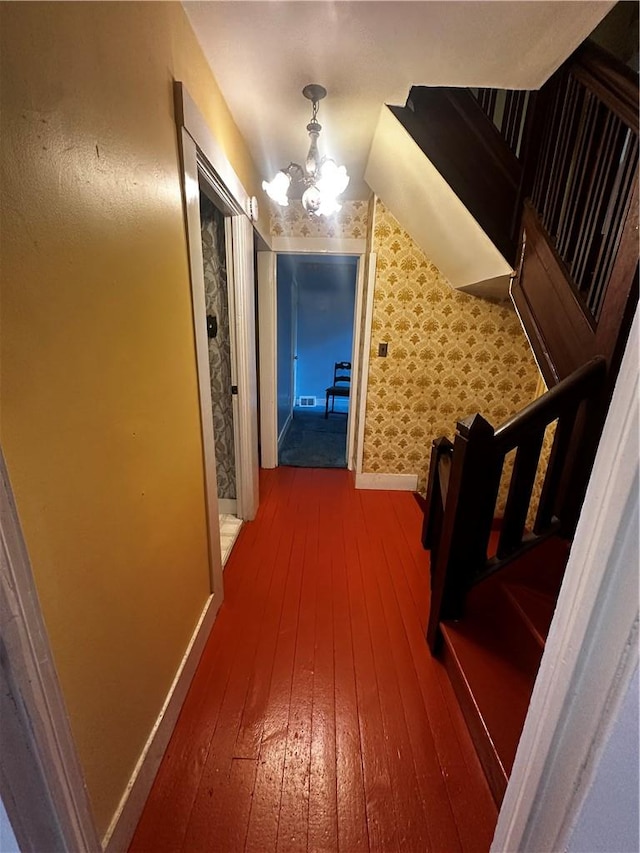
(459, 514)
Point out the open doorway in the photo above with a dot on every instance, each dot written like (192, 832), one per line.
(315, 304)
(221, 345)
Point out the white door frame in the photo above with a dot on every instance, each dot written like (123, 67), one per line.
(267, 318)
(201, 155)
(294, 342)
(41, 780)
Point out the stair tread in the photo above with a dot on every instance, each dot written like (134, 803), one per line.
(501, 690)
(493, 654)
(536, 607)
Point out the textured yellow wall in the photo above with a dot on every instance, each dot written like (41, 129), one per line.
(100, 423)
(450, 355)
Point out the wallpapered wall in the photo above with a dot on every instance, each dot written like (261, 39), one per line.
(217, 304)
(294, 221)
(450, 355)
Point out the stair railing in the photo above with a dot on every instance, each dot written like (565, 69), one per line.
(507, 109)
(464, 479)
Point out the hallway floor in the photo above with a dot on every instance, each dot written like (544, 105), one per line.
(317, 719)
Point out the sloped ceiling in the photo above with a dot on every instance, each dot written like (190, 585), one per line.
(432, 214)
(367, 54)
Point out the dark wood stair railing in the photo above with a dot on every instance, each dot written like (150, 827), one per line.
(464, 480)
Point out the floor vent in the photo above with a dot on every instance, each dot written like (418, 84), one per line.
(304, 402)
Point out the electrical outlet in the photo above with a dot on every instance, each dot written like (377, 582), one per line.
(382, 350)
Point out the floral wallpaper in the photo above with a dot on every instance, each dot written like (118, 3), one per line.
(215, 286)
(449, 355)
(293, 221)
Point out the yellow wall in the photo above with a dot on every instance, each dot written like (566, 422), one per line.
(100, 423)
(450, 355)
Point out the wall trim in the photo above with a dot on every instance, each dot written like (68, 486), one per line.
(592, 648)
(123, 824)
(319, 245)
(267, 319)
(202, 156)
(268, 354)
(247, 397)
(227, 506)
(189, 157)
(387, 482)
(188, 115)
(355, 364)
(284, 429)
(366, 356)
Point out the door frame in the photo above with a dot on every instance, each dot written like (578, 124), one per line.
(268, 331)
(41, 781)
(202, 157)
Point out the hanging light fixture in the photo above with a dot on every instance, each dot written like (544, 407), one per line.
(322, 178)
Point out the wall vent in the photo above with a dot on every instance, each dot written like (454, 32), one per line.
(305, 402)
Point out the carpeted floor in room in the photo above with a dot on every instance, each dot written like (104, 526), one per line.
(313, 441)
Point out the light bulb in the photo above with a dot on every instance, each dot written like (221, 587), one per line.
(278, 188)
(333, 179)
(328, 206)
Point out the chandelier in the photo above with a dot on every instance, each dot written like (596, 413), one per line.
(323, 180)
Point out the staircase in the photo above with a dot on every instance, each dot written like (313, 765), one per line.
(565, 164)
(492, 656)
(493, 591)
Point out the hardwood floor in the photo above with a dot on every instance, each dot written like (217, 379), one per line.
(317, 719)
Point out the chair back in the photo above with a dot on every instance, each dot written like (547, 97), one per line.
(342, 372)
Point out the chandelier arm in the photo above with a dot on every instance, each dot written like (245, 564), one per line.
(295, 167)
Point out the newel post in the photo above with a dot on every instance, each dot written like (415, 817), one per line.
(468, 515)
(435, 495)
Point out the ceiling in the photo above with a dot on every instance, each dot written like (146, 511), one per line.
(367, 54)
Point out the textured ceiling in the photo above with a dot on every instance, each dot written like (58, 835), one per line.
(367, 54)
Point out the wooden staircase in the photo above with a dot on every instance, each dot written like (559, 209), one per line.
(571, 154)
(493, 592)
(492, 656)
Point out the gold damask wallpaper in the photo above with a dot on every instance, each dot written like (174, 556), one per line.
(449, 355)
(294, 221)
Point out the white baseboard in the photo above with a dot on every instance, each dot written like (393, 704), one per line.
(388, 482)
(284, 429)
(227, 506)
(120, 832)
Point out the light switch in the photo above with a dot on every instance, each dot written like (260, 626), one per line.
(382, 350)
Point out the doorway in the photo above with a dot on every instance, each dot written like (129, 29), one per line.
(315, 305)
(222, 367)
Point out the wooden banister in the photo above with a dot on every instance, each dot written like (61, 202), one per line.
(550, 406)
(468, 513)
(437, 487)
(460, 512)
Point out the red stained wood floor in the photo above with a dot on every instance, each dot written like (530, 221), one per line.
(317, 719)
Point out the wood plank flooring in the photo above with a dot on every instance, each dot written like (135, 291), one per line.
(317, 719)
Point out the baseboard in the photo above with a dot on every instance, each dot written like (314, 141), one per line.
(388, 482)
(120, 832)
(284, 429)
(227, 506)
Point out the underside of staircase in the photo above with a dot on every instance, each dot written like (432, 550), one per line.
(492, 655)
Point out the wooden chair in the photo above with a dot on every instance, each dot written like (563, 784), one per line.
(341, 384)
